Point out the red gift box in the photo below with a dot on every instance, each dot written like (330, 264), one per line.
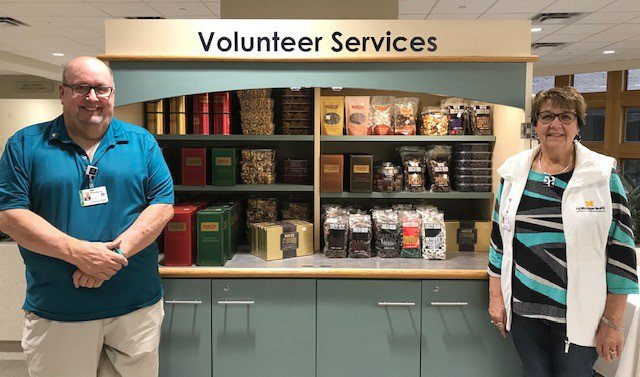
(201, 124)
(194, 166)
(180, 236)
(222, 102)
(201, 103)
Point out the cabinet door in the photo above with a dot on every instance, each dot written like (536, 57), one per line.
(185, 343)
(264, 327)
(457, 336)
(368, 328)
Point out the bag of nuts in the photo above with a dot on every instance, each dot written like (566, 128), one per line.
(357, 116)
(435, 122)
(404, 115)
(258, 166)
(386, 233)
(360, 235)
(380, 119)
(336, 233)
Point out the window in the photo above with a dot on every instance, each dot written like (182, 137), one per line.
(593, 82)
(631, 172)
(542, 83)
(633, 79)
(632, 124)
(594, 129)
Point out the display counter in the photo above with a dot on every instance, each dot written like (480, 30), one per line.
(460, 265)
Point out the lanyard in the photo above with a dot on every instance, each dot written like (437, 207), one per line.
(91, 173)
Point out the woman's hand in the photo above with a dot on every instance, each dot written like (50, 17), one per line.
(609, 342)
(497, 311)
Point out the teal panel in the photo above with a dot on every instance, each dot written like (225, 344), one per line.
(185, 343)
(460, 340)
(502, 83)
(275, 336)
(358, 337)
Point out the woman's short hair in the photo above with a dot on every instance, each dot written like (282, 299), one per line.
(566, 97)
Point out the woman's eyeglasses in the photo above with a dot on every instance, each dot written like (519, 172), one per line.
(566, 117)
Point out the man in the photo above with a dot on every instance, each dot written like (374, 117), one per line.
(85, 195)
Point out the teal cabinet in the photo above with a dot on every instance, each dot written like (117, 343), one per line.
(185, 343)
(264, 327)
(368, 328)
(457, 336)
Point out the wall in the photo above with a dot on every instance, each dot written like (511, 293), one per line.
(506, 127)
(19, 113)
(8, 87)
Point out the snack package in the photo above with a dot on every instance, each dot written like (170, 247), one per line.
(435, 122)
(412, 158)
(438, 160)
(357, 116)
(411, 228)
(387, 231)
(381, 116)
(336, 232)
(387, 177)
(360, 235)
(433, 233)
(404, 115)
(332, 111)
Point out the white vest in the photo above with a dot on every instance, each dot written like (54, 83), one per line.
(586, 218)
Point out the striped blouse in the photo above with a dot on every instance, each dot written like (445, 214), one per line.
(539, 282)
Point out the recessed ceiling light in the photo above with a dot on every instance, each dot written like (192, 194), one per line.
(609, 52)
(536, 29)
(57, 54)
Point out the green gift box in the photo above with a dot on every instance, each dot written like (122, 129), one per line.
(223, 165)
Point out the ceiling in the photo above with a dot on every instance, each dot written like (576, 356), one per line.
(76, 27)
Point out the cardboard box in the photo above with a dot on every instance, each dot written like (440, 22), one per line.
(331, 173)
(180, 237)
(360, 173)
(194, 166)
(468, 235)
(286, 239)
(224, 162)
(211, 237)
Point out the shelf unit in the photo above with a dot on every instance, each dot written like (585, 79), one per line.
(276, 187)
(495, 82)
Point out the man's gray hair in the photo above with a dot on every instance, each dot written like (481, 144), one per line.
(66, 67)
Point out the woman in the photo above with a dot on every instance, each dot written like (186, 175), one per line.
(562, 257)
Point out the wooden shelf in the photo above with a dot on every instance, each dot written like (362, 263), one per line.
(276, 187)
(247, 138)
(410, 139)
(407, 195)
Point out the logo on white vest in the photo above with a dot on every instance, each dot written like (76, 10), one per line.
(589, 207)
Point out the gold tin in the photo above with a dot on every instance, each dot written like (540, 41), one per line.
(155, 123)
(178, 104)
(178, 123)
(154, 106)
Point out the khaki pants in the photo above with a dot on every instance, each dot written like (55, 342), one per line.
(125, 346)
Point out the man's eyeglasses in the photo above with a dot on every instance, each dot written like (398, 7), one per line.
(84, 89)
(547, 117)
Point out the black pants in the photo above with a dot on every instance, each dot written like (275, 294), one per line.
(541, 346)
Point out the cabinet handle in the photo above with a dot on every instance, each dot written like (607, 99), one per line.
(245, 302)
(182, 302)
(457, 303)
(384, 303)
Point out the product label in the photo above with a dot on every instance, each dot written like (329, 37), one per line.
(209, 227)
(414, 169)
(177, 227)
(332, 169)
(361, 169)
(410, 235)
(223, 161)
(193, 161)
(289, 241)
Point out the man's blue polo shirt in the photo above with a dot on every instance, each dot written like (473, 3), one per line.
(43, 170)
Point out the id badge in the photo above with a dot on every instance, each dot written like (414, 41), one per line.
(93, 196)
(505, 224)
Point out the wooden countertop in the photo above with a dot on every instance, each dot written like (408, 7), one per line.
(461, 265)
